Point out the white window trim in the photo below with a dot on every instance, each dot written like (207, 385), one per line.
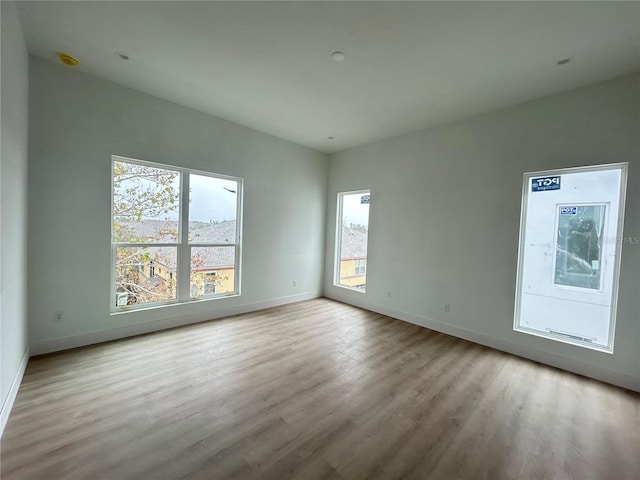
(526, 182)
(338, 241)
(183, 259)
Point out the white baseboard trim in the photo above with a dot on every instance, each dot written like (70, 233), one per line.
(13, 392)
(613, 377)
(65, 343)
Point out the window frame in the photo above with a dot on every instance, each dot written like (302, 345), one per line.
(360, 264)
(338, 239)
(183, 246)
(617, 249)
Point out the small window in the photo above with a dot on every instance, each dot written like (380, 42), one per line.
(352, 234)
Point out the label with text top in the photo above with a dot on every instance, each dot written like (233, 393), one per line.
(544, 184)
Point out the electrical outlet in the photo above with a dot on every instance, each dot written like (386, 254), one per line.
(389, 294)
(447, 308)
(295, 283)
(57, 317)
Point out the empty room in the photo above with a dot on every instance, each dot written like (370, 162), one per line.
(320, 240)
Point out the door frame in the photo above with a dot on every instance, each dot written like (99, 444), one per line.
(617, 246)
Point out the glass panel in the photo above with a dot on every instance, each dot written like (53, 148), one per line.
(145, 274)
(212, 209)
(146, 204)
(354, 236)
(212, 270)
(568, 260)
(579, 246)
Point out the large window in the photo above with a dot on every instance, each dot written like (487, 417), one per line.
(175, 234)
(352, 232)
(570, 239)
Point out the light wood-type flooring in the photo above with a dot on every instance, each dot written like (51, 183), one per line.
(313, 390)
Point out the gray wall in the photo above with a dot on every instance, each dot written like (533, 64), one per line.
(13, 201)
(445, 213)
(77, 123)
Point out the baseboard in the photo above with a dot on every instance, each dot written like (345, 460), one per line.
(13, 392)
(65, 343)
(620, 379)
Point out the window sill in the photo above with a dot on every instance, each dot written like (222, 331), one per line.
(353, 289)
(561, 339)
(155, 306)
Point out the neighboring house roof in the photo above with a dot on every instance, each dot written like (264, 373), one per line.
(200, 232)
(162, 258)
(354, 243)
(203, 232)
(215, 257)
(153, 282)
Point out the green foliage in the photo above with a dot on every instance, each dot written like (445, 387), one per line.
(141, 193)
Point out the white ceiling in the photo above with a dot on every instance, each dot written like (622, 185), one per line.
(409, 65)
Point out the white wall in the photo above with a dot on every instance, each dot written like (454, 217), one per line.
(13, 209)
(76, 123)
(445, 212)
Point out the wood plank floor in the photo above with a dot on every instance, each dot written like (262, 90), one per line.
(314, 390)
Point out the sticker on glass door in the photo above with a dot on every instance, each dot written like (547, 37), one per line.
(579, 246)
(569, 254)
